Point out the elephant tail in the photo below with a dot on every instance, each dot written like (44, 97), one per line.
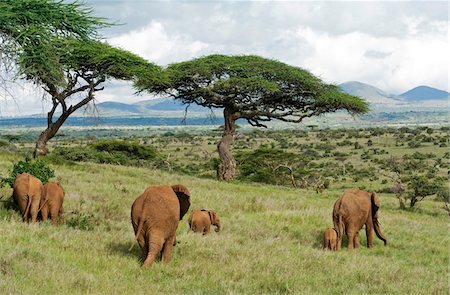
(378, 231)
(43, 204)
(339, 227)
(139, 228)
(27, 210)
(338, 221)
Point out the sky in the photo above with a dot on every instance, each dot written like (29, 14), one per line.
(394, 46)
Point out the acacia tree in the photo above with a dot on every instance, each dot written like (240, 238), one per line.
(255, 89)
(28, 28)
(86, 65)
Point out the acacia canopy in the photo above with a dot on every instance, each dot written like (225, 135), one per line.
(259, 89)
(28, 28)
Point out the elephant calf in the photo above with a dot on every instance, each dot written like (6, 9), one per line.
(27, 193)
(201, 221)
(155, 216)
(52, 203)
(330, 239)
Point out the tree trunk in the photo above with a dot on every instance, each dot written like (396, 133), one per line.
(47, 134)
(402, 202)
(227, 168)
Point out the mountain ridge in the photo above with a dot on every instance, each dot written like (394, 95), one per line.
(415, 97)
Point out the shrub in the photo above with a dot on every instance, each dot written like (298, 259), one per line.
(36, 168)
(271, 166)
(111, 152)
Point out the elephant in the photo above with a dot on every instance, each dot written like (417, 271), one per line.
(351, 211)
(27, 194)
(155, 216)
(330, 239)
(201, 221)
(52, 202)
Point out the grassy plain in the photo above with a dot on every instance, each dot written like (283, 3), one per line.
(270, 242)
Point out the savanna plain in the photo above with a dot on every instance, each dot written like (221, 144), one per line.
(273, 215)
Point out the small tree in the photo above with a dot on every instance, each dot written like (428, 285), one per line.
(87, 64)
(255, 89)
(420, 187)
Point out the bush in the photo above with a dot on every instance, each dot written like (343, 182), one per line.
(269, 166)
(36, 168)
(110, 152)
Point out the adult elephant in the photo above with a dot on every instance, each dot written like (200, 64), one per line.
(351, 211)
(155, 215)
(27, 194)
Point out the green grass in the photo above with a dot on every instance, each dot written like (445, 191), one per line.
(270, 242)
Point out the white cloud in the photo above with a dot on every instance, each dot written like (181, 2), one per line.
(154, 43)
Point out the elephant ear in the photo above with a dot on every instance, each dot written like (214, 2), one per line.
(183, 197)
(212, 217)
(375, 200)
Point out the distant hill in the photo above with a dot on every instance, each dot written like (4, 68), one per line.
(422, 93)
(168, 104)
(152, 107)
(418, 97)
(118, 106)
(372, 94)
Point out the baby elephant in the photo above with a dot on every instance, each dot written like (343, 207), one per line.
(200, 221)
(52, 203)
(330, 239)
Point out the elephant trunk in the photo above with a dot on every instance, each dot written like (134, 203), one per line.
(218, 226)
(376, 225)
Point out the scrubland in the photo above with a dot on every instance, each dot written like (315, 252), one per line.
(270, 242)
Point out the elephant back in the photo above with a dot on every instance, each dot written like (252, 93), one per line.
(27, 184)
(53, 191)
(159, 205)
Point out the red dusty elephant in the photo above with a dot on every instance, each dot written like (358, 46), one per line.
(155, 216)
(353, 210)
(201, 221)
(27, 193)
(330, 239)
(52, 203)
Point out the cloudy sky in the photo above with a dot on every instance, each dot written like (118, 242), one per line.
(394, 46)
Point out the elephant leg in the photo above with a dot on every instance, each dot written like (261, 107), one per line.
(356, 240)
(44, 213)
(61, 215)
(206, 229)
(167, 250)
(369, 235)
(155, 246)
(34, 210)
(334, 246)
(143, 245)
(351, 237)
(54, 215)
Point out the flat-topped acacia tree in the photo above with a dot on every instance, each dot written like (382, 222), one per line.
(255, 89)
(86, 64)
(29, 27)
